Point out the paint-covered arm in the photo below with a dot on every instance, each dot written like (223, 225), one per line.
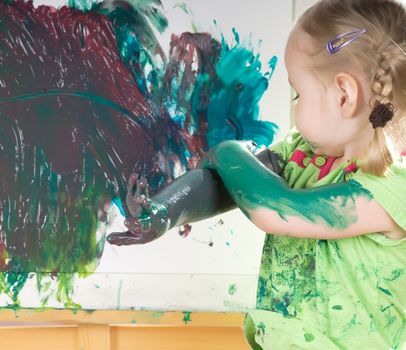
(192, 197)
(326, 212)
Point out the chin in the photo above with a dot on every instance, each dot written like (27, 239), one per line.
(330, 153)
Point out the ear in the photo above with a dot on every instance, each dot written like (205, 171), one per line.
(347, 94)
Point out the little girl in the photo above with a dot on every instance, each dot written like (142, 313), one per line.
(332, 195)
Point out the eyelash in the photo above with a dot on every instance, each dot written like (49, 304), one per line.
(296, 97)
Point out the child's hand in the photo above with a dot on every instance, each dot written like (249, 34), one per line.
(149, 219)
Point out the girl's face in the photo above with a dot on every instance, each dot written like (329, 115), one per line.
(316, 105)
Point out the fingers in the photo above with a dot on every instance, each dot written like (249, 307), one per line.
(142, 187)
(144, 201)
(138, 225)
(139, 232)
(131, 182)
(141, 183)
(139, 201)
(128, 238)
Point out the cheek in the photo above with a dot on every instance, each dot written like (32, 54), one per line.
(303, 116)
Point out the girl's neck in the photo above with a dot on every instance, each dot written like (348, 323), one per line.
(356, 150)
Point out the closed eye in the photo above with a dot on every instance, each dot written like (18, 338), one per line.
(296, 97)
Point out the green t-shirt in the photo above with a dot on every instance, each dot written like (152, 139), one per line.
(332, 294)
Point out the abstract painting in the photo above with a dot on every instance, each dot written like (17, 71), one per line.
(88, 95)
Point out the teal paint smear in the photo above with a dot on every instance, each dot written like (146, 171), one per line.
(119, 205)
(395, 274)
(384, 290)
(11, 284)
(384, 308)
(242, 86)
(253, 186)
(138, 45)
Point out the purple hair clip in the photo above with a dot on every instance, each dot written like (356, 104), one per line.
(342, 40)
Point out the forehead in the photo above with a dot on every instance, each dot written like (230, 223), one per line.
(300, 42)
(299, 48)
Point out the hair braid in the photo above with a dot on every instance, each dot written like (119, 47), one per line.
(382, 81)
(379, 152)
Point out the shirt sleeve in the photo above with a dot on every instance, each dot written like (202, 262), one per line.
(390, 193)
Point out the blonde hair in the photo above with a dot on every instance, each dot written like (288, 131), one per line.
(379, 54)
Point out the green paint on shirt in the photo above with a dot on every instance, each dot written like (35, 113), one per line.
(309, 337)
(253, 186)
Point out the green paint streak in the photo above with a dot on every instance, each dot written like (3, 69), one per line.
(337, 307)
(58, 253)
(261, 327)
(395, 275)
(186, 317)
(384, 308)
(309, 337)
(232, 289)
(183, 6)
(11, 284)
(353, 322)
(386, 291)
(253, 186)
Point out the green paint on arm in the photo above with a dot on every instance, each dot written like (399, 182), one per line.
(252, 186)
